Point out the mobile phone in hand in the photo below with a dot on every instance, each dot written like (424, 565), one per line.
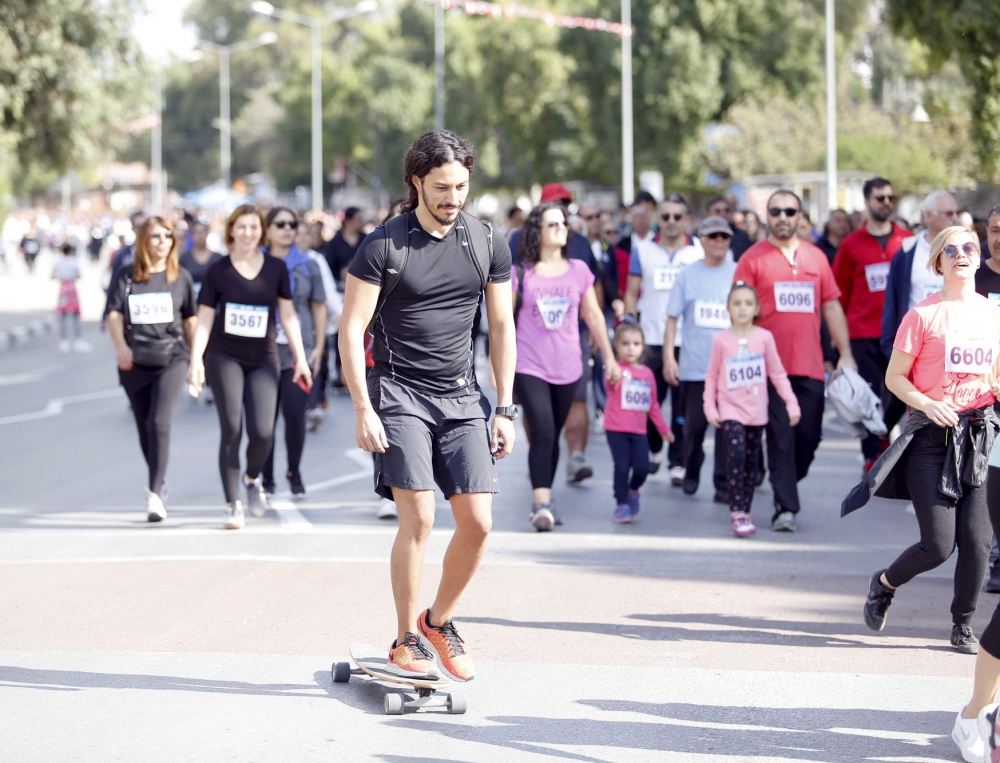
(303, 384)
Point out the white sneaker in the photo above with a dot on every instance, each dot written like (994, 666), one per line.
(234, 516)
(63, 345)
(314, 417)
(677, 475)
(987, 721)
(386, 509)
(966, 735)
(655, 460)
(82, 345)
(155, 510)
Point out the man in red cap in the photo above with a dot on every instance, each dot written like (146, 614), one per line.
(578, 423)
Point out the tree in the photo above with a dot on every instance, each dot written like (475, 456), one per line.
(68, 79)
(966, 30)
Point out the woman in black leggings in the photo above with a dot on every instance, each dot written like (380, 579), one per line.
(239, 357)
(309, 299)
(551, 294)
(151, 309)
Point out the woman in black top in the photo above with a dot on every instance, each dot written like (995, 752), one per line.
(151, 309)
(250, 291)
(309, 299)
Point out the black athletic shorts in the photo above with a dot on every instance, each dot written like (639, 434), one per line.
(443, 441)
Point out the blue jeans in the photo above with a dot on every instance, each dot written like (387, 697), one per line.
(630, 452)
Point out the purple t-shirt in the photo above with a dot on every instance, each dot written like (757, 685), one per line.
(548, 332)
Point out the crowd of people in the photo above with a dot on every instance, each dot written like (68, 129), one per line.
(739, 319)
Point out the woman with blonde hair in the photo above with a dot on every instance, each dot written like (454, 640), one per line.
(151, 312)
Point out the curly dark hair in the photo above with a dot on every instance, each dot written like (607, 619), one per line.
(531, 234)
(433, 149)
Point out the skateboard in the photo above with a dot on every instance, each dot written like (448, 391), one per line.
(370, 660)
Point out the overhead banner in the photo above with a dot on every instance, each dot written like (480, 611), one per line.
(516, 10)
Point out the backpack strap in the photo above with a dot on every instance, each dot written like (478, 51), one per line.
(397, 249)
(480, 235)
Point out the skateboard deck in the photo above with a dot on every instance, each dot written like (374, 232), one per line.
(373, 661)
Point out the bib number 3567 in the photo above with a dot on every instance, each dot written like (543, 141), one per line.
(246, 320)
(964, 355)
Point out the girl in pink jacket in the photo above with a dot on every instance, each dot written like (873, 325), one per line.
(743, 358)
(631, 404)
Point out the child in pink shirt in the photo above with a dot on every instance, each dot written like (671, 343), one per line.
(743, 358)
(631, 404)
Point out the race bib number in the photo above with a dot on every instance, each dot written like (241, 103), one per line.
(877, 276)
(157, 307)
(963, 355)
(553, 311)
(665, 276)
(246, 320)
(794, 297)
(637, 395)
(710, 315)
(745, 372)
(994, 297)
(197, 290)
(280, 336)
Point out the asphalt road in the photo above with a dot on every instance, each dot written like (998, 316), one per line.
(665, 640)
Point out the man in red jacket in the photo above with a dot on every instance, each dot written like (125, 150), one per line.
(861, 268)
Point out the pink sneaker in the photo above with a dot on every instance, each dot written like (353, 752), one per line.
(741, 524)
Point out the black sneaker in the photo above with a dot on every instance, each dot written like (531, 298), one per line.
(689, 486)
(993, 581)
(268, 484)
(721, 496)
(877, 603)
(964, 640)
(295, 481)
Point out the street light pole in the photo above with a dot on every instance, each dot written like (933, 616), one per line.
(316, 25)
(831, 110)
(439, 66)
(628, 167)
(157, 142)
(224, 52)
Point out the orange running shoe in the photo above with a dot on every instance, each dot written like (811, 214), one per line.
(447, 647)
(411, 660)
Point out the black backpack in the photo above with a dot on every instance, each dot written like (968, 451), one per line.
(397, 250)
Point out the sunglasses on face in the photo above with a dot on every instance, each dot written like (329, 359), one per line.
(717, 236)
(280, 224)
(676, 217)
(779, 211)
(590, 217)
(157, 236)
(882, 198)
(555, 224)
(968, 248)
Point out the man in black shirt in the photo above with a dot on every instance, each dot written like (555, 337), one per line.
(421, 411)
(339, 251)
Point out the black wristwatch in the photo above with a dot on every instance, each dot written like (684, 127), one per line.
(510, 411)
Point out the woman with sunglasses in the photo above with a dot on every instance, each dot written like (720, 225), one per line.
(944, 365)
(242, 299)
(151, 311)
(551, 293)
(309, 300)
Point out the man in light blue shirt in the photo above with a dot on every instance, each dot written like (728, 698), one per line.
(698, 301)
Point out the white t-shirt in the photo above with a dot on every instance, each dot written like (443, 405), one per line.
(658, 271)
(923, 282)
(66, 269)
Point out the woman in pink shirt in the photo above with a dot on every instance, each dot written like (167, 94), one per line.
(631, 405)
(552, 293)
(743, 358)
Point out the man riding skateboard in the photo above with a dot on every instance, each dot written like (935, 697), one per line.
(417, 281)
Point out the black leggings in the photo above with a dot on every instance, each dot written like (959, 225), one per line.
(944, 523)
(153, 394)
(238, 387)
(742, 448)
(990, 640)
(292, 403)
(546, 407)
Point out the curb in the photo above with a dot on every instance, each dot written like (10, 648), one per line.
(18, 336)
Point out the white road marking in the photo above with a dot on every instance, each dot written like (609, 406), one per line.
(55, 407)
(361, 458)
(30, 376)
(289, 515)
(919, 739)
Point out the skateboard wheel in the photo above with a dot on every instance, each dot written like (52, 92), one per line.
(456, 704)
(341, 672)
(393, 704)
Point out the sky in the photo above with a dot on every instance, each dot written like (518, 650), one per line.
(161, 31)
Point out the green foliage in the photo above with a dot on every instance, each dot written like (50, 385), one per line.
(966, 30)
(69, 74)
